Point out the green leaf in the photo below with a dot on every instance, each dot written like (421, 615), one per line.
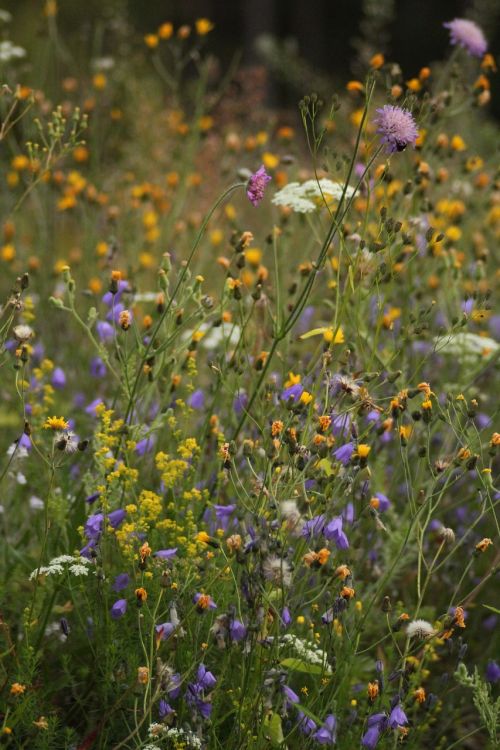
(493, 609)
(273, 729)
(299, 665)
(326, 466)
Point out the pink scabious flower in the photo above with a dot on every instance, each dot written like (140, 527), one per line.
(256, 185)
(397, 128)
(468, 35)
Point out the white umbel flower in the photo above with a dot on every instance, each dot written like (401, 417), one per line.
(306, 197)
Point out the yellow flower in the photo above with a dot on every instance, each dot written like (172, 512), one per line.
(355, 86)
(142, 675)
(330, 338)
(151, 41)
(17, 689)
(363, 450)
(457, 143)
(166, 30)
(203, 26)
(377, 60)
(202, 537)
(292, 379)
(306, 397)
(99, 81)
(269, 160)
(56, 423)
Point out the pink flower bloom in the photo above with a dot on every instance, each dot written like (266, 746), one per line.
(468, 35)
(257, 184)
(397, 128)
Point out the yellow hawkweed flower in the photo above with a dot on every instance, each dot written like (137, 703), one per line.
(457, 143)
(306, 398)
(356, 86)
(277, 427)
(56, 423)
(377, 61)
(483, 545)
(142, 675)
(151, 41)
(459, 617)
(166, 30)
(419, 695)
(334, 338)
(347, 592)
(292, 380)
(373, 690)
(203, 26)
(17, 689)
(41, 723)
(363, 450)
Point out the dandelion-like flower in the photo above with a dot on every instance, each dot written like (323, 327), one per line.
(397, 128)
(256, 185)
(468, 35)
(420, 629)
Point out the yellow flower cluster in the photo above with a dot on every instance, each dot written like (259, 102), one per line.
(149, 504)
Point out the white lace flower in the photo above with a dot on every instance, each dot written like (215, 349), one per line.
(466, 345)
(77, 566)
(307, 651)
(306, 197)
(9, 51)
(78, 570)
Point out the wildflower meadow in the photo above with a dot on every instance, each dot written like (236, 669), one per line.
(249, 394)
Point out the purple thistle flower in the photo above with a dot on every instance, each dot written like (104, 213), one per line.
(118, 609)
(397, 128)
(327, 735)
(468, 35)
(256, 185)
